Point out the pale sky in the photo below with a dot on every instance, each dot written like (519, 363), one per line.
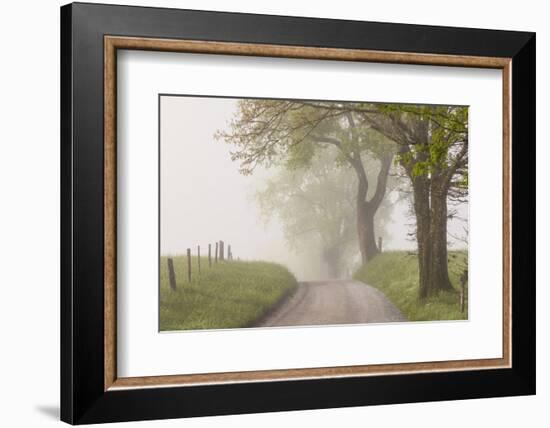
(204, 198)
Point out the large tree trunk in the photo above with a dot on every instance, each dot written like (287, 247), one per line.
(439, 275)
(421, 193)
(366, 210)
(430, 205)
(365, 231)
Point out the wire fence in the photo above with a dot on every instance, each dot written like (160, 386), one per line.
(220, 255)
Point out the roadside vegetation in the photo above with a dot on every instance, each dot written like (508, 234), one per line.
(395, 273)
(230, 294)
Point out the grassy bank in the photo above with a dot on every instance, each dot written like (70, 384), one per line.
(227, 295)
(395, 273)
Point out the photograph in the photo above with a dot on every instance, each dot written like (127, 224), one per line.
(295, 212)
(266, 211)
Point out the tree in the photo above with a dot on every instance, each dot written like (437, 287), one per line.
(433, 151)
(270, 132)
(316, 207)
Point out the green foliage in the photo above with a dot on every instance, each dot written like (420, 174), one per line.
(447, 137)
(274, 132)
(268, 132)
(300, 156)
(395, 273)
(230, 294)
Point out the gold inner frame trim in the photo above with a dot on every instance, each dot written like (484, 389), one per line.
(113, 43)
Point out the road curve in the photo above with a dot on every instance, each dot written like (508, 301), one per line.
(333, 302)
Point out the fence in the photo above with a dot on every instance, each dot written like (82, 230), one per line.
(220, 255)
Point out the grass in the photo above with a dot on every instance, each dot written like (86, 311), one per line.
(395, 273)
(230, 294)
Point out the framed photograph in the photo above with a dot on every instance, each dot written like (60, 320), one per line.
(265, 213)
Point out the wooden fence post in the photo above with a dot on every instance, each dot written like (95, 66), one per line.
(189, 264)
(199, 257)
(171, 274)
(216, 254)
(209, 255)
(380, 243)
(221, 251)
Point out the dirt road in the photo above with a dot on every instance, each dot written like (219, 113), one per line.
(333, 302)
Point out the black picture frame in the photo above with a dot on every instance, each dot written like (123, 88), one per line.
(83, 398)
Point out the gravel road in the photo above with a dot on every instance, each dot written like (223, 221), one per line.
(333, 302)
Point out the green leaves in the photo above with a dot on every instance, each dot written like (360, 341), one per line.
(428, 139)
(300, 155)
(269, 132)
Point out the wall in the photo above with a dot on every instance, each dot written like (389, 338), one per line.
(29, 231)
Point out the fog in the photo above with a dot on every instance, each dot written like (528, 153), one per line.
(204, 198)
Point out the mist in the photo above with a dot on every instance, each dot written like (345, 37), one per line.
(204, 198)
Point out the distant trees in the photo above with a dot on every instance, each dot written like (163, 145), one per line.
(316, 207)
(267, 132)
